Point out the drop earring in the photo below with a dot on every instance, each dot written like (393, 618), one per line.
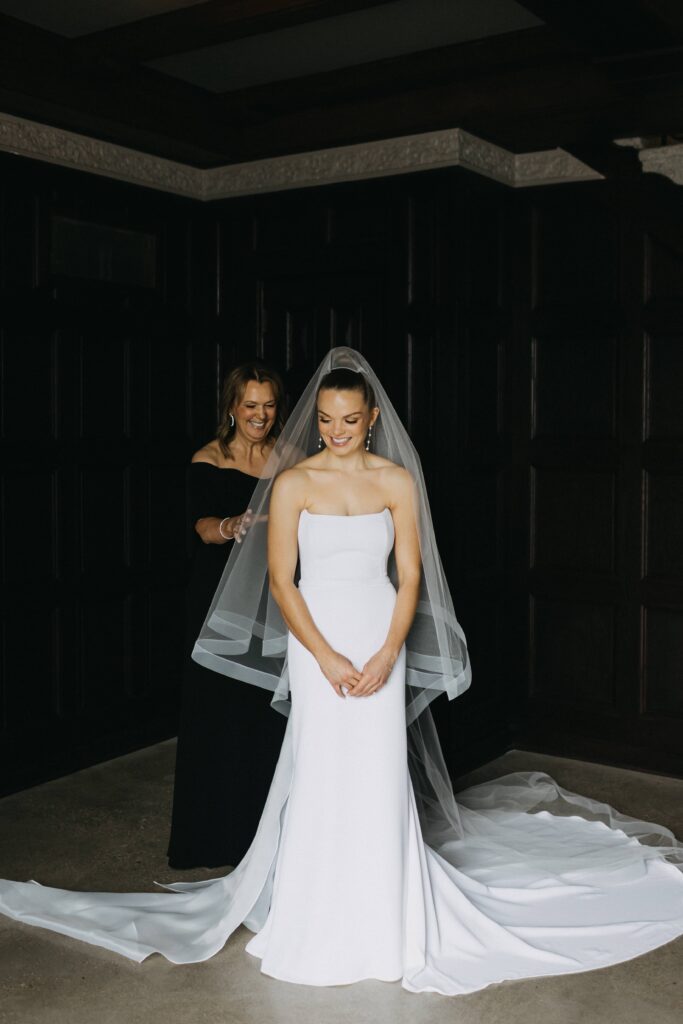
(368, 439)
(232, 420)
(320, 443)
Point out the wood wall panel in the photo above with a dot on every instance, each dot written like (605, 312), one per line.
(18, 261)
(574, 386)
(104, 387)
(140, 680)
(471, 303)
(355, 221)
(663, 253)
(104, 493)
(278, 227)
(661, 457)
(27, 356)
(479, 521)
(104, 652)
(663, 551)
(166, 512)
(165, 627)
(29, 509)
(569, 458)
(602, 460)
(481, 367)
(68, 684)
(31, 671)
(662, 690)
(572, 654)
(573, 525)
(664, 386)
(97, 379)
(168, 399)
(574, 247)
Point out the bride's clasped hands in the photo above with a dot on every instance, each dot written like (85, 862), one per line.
(375, 673)
(347, 681)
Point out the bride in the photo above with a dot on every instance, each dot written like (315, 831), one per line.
(364, 865)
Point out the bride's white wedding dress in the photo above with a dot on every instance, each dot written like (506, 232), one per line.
(339, 884)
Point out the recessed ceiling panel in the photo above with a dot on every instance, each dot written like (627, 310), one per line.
(78, 17)
(389, 30)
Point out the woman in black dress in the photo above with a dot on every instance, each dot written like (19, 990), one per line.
(228, 737)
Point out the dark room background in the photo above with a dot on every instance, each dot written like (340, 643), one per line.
(532, 340)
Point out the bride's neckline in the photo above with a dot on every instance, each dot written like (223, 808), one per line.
(342, 515)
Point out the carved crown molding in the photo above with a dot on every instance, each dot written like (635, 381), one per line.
(83, 153)
(403, 155)
(551, 167)
(666, 160)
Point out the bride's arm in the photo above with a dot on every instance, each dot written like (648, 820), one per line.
(286, 504)
(409, 568)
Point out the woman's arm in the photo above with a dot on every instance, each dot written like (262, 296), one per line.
(286, 503)
(409, 567)
(234, 528)
(202, 498)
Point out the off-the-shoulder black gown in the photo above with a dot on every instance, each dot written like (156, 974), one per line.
(228, 736)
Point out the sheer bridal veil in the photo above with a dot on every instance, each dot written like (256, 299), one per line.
(244, 637)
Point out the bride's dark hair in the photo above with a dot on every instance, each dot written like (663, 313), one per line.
(344, 379)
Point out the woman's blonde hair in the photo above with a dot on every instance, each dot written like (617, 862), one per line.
(232, 391)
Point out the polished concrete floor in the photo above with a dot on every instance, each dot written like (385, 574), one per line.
(106, 827)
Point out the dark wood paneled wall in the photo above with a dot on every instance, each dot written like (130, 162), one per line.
(98, 325)
(599, 359)
(531, 341)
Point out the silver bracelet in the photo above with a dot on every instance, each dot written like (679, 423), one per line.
(220, 529)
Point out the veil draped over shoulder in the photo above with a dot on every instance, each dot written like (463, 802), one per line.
(244, 637)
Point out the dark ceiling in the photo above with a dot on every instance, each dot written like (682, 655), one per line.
(220, 81)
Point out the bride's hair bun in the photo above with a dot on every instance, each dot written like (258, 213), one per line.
(345, 379)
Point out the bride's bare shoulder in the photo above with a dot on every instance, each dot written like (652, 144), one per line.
(397, 483)
(292, 481)
(390, 469)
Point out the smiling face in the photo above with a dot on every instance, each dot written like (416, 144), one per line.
(343, 420)
(256, 411)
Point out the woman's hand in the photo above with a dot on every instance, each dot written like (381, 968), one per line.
(375, 672)
(339, 672)
(245, 523)
(240, 524)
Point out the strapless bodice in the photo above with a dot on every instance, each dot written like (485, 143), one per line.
(335, 548)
